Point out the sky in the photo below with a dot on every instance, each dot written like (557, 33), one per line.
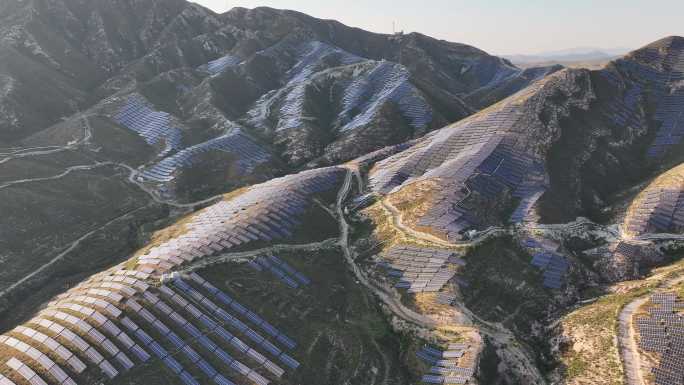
(501, 27)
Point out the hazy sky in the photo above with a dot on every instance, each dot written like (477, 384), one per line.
(501, 26)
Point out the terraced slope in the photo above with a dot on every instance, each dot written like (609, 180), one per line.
(271, 55)
(533, 149)
(117, 117)
(481, 164)
(123, 317)
(146, 109)
(657, 208)
(659, 331)
(468, 251)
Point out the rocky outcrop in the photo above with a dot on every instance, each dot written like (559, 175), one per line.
(486, 163)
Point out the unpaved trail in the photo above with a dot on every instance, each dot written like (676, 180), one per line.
(387, 298)
(63, 254)
(226, 257)
(513, 352)
(627, 345)
(85, 140)
(86, 167)
(398, 223)
(46, 150)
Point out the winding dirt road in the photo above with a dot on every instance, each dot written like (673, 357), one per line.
(628, 347)
(512, 350)
(64, 253)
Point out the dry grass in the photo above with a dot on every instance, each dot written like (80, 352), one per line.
(386, 233)
(425, 303)
(235, 193)
(593, 356)
(161, 236)
(6, 353)
(652, 359)
(174, 231)
(414, 200)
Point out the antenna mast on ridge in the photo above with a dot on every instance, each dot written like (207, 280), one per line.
(398, 36)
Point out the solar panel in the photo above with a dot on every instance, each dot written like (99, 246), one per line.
(26, 372)
(52, 345)
(188, 379)
(5, 381)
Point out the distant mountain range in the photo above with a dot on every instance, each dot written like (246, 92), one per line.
(569, 56)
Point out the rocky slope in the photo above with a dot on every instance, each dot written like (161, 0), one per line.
(577, 143)
(294, 72)
(555, 143)
(439, 252)
(233, 99)
(131, 106)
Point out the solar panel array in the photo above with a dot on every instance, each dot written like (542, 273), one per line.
(42, 360)
(421, 269)
(221, 64)
(52, 346)
(288, 102)
(630, 253)
(25, 371)
(483, 156)
(267, 212)
(654, 74)
(445, 364)
(112, 321)
(662, 332)
(281, 269)
(314, 56)
(374, 85)
(5, 381)
(154, 126)
(117, 311)
(625, 110)
(71, 337)
(444, 298)
(545, 257)
(248, 153)
(385, 82)
(659, 208)
(504, 169)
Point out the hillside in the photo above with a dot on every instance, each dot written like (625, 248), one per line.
(263, 197)
(118, 117)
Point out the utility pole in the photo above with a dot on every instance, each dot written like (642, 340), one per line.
(400, 41)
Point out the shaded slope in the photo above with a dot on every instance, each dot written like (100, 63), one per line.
(554, 145)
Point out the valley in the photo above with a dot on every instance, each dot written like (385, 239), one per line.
(263, 197)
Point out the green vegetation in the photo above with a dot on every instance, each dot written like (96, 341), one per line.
(343, 335)
(595, 355)
(592, 354)
(576, 366)
(502, 282)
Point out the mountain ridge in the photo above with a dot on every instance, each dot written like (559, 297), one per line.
(416, 204)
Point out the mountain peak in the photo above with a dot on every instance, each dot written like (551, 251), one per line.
(661, 54)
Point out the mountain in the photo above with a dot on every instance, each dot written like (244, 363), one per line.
(546, 153)
(264, 197)
(514, 180)
(570, 55)
(587, 57)
(121, 114)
